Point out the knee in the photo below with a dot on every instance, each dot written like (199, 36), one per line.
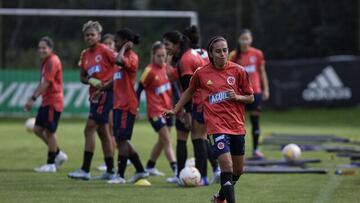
(226, 167)
(38, 130)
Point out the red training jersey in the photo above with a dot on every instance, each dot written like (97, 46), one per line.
(124, 81)
(158, 90)
(251, 60)
(222, 115)
(98, 62)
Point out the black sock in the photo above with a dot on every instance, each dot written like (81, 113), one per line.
(87, 161)
(150, 164)
(211, 157)
(235, 179)
(51, 157)
(200, 156)
(109, 162)
(135, 160)
(227, 187)
(57, 151)
(181, 154)
(255, 131)
(173, 166)
(122, 163)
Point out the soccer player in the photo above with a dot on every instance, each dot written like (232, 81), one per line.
(193, 34)
(51, 90)
(252, 60)
(158, 91)
(225, 87)
(96, 69)
(187, 61)
(126, 104)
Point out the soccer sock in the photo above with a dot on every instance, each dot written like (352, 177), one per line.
(87, 161)
(173, 166)
(109, 162)
(211, 158)
(227, 187)
(235, 178)
(135, 160)
(51, 157)
(200, 156)
(255, 131)
(122, 163)
(150, 164)
(181, 154)
(57, 151)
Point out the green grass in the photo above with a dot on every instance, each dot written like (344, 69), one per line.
(21, 151)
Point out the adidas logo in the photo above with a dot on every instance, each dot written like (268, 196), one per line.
(209, 82)
(326, 86)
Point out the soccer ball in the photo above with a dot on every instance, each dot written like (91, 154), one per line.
(190, 162)
(189, 177)
(29, 125)
(291, 152)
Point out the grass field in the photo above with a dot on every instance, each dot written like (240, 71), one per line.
(21, 151)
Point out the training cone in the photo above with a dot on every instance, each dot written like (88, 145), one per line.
(142, 182)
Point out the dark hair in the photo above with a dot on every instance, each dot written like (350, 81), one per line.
(177, 37)
(238, 48)
(49, 42)
(193, 35)
(211, 42)
(107, 36)
(157, 45)
(128, 34)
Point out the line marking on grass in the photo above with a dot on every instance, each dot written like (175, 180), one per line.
(328, 189)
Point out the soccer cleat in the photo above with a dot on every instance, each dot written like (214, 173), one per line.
(215, 199)
(47, 168)
(117, 180)
(173, 179)
(154, 172)
(204, 181)
(257, 154)
(138, 176)
(105, 176)
(60, 159)
(79, 174)
(102, 167)
(216, 177)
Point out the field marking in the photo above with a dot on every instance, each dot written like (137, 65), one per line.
(326, 191)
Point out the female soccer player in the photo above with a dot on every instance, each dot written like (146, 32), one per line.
(252, 60)
(125, 104)
(158, 91)
(51, 90)
(97, 63)
(187, 61)
(225, 88)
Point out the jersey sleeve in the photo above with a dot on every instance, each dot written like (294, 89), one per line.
(131, 62)
(50, 70)
(186, 65)
(261, 59)
(145, 78)
(81, 59)
(232, 56)
(244, 83)
(110, 55)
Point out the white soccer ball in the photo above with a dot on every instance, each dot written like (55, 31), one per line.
(291, 152)
(190, 162)
(30, 124)
(190, 177)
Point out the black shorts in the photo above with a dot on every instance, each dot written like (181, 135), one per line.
(48, 118)
(123, 124)
(99, 111)
(179, 125)
(159, 122)
(224, 143)
(198, 114)
(256, 105)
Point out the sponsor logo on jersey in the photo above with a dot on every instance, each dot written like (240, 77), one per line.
(218, 97)
(250, 68)
(209, 82)
(253, 59)
(326, 86)
(118, 75)
(94, 69)
(98, 58)
(162, 88)
(230, 80)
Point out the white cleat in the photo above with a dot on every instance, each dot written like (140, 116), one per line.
(138, 176)
(154, 172)
(60, 159)
(79, 174)
(117, 180)
(173, 179)
(47, 168)
(216, 177)
(105, 176)
(102, 167)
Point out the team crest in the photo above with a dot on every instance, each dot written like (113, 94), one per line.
(220, 145)
(230, 80)
(253, 59)
(98, 58)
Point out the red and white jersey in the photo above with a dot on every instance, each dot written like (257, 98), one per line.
(252, 60)
(124, 81)
(51, 71)
(98, 62)
(158, 90)
(221, 114)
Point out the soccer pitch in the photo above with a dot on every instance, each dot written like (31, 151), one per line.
(20, 152)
